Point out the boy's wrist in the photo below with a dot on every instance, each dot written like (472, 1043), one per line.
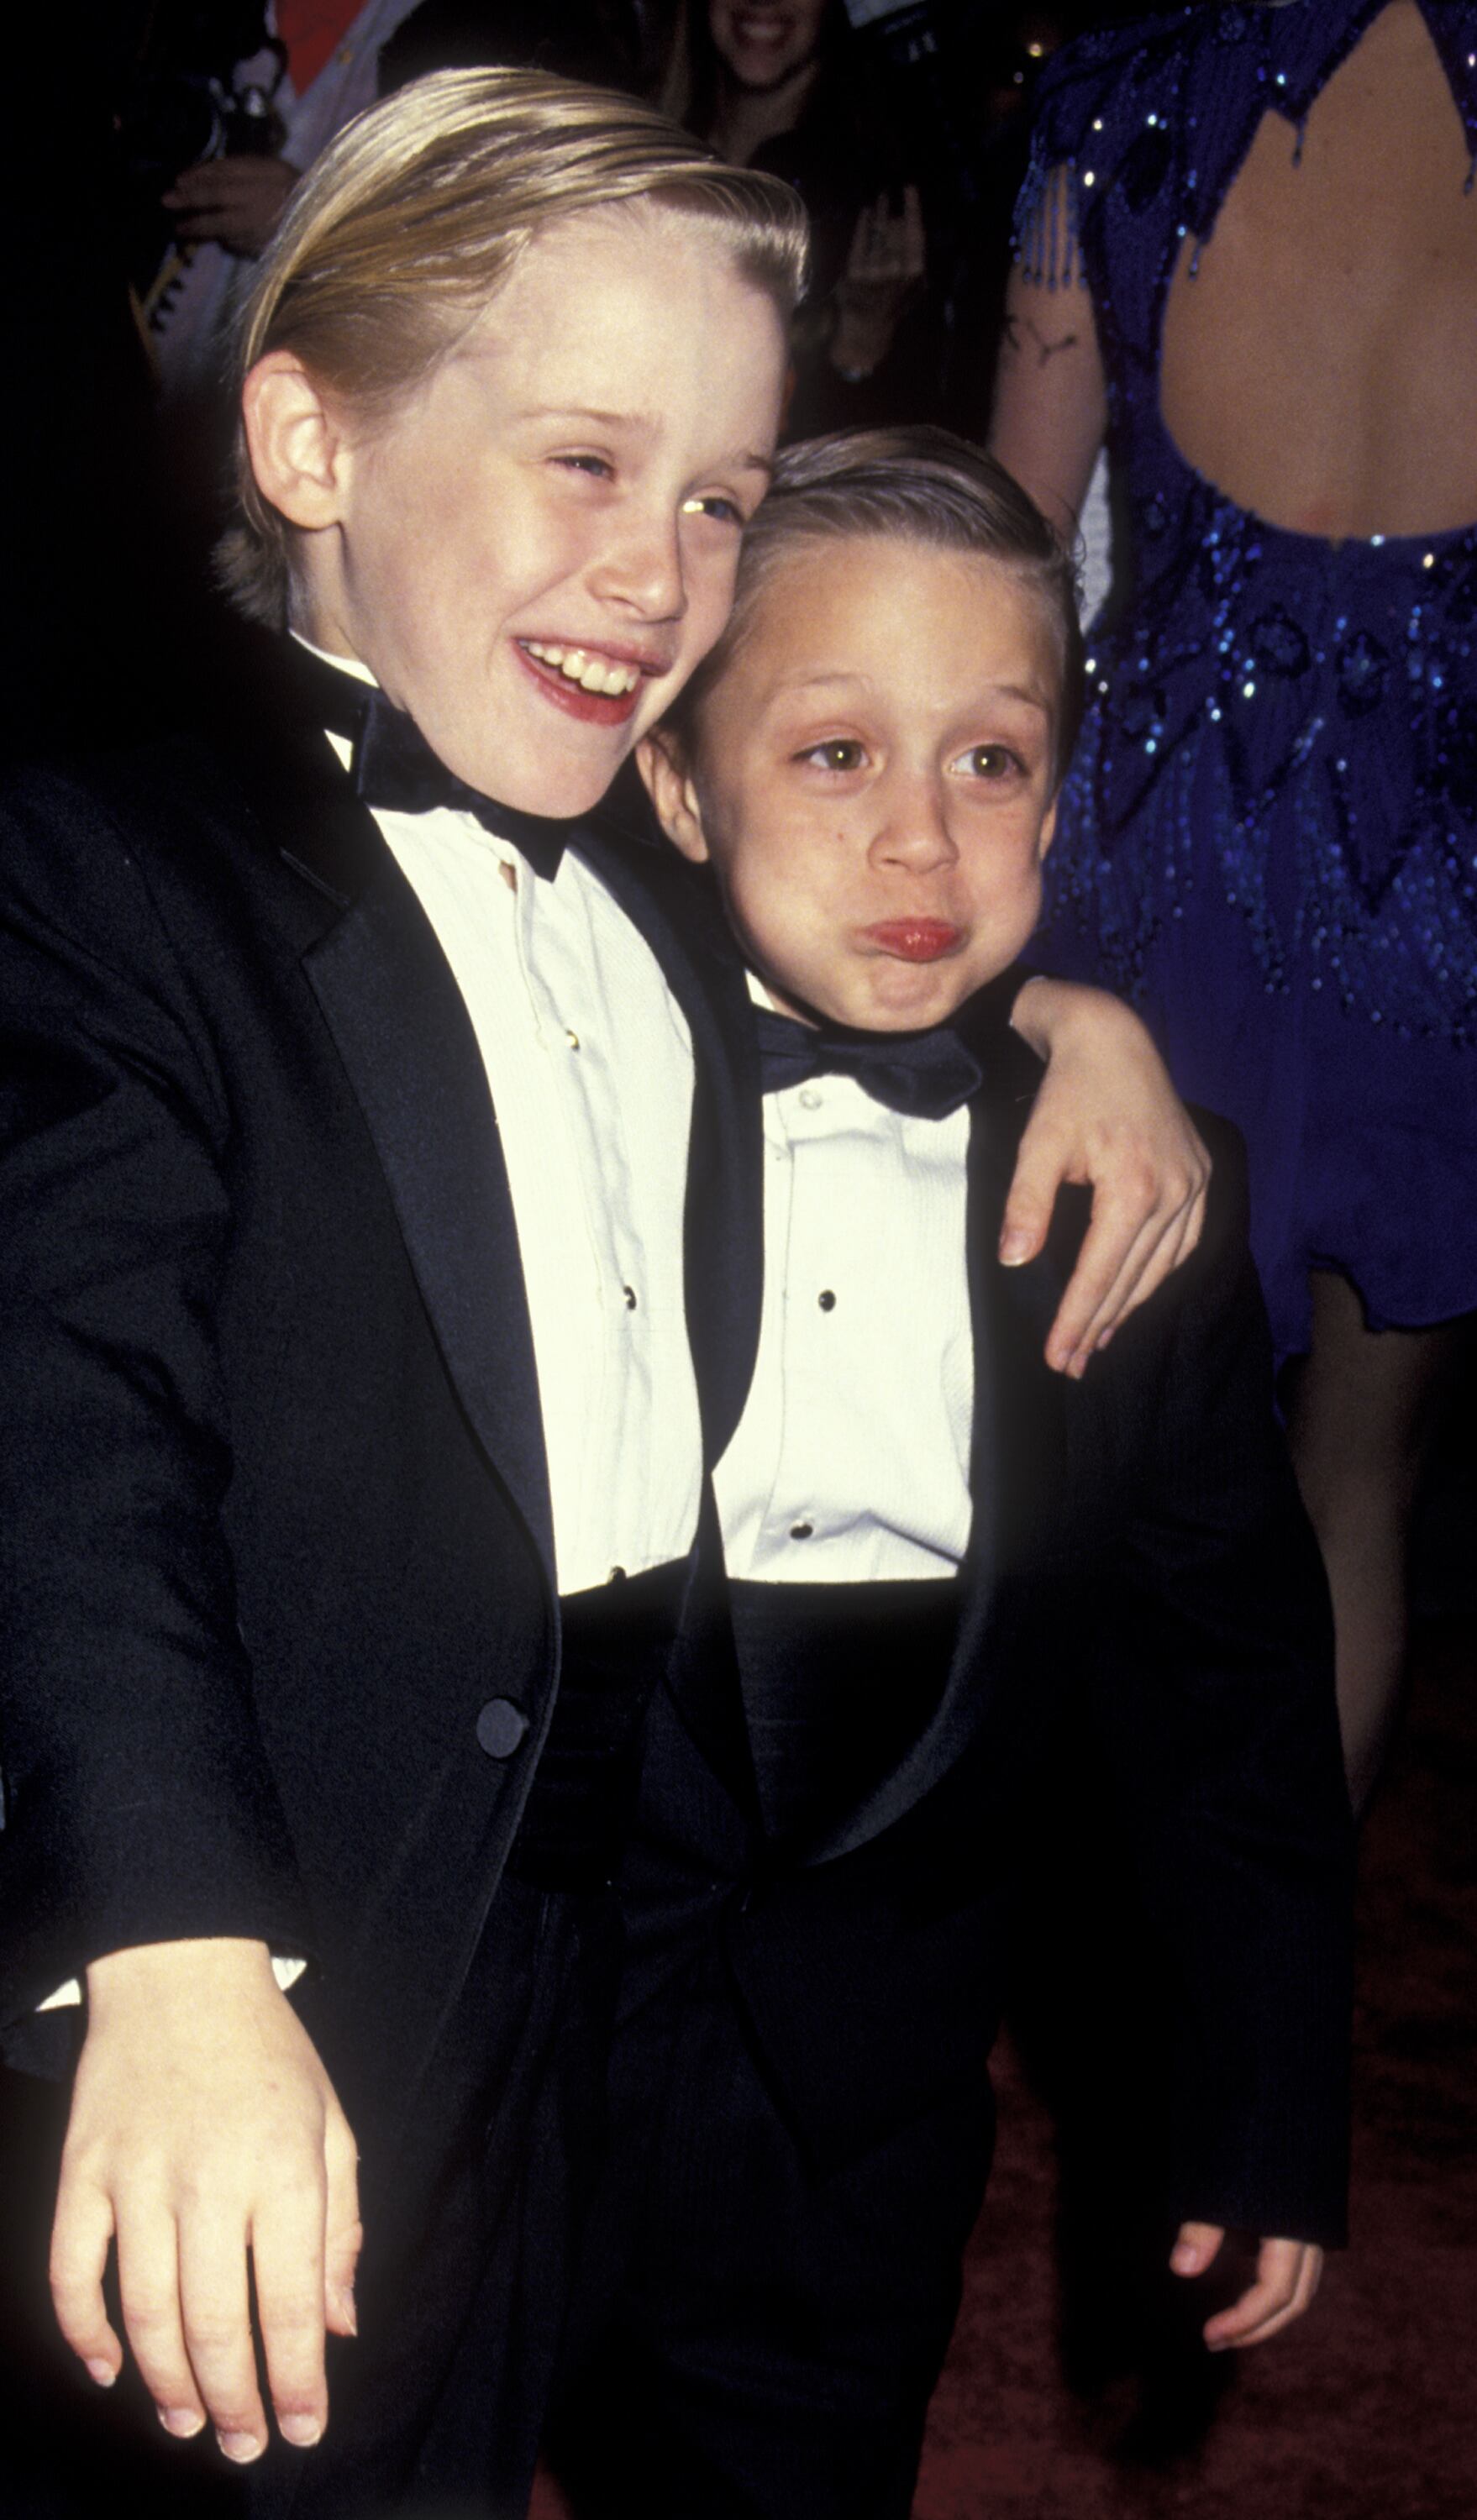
(178, 1972)
(1041, 1009)
(1049, 1014)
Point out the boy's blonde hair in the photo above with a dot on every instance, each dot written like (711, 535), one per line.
(915, 484)
(399, 235)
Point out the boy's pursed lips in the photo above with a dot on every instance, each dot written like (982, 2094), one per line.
(915, 940)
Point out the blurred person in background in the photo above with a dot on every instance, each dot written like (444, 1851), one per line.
(306, 68)
(227, 109)
(784, 86)
(1249, 256)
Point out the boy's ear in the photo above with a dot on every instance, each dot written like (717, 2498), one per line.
(296, 442)
(662, 764)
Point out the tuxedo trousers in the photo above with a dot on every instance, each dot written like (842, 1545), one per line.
(754, 2337)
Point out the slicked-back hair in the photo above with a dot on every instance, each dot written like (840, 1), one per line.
(402, 231)
(917, 484)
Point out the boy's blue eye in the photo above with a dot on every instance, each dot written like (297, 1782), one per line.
(713, 503)
(598, 467)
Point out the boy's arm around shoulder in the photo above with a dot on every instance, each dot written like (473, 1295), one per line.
(1216, 1713)
(1106, 1114)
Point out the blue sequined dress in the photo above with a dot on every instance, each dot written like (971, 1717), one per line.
(1269, 838)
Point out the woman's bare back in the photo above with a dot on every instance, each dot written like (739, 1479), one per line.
(1320, 366)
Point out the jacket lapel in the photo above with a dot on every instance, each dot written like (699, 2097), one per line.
(1018, 1454)
(1018, 1450)
(407, 1043)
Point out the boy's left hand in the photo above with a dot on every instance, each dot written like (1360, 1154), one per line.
(1286, 2278)
(1106, 1114)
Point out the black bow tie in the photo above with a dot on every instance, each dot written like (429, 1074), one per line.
(924, 1074)
(394, 768)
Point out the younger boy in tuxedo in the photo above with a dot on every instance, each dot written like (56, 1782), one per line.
(940, 1557)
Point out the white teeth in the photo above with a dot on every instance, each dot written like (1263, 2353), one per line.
(592, 673)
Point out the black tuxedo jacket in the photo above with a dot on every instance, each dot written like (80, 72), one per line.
(273, 1525)
(274, 1518)
(1140, 1562)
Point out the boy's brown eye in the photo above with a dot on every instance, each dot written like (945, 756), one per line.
(990, 762)
(840, 753)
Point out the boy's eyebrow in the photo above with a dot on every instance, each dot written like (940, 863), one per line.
(997, 690)
(1018, 691)
(646, 422)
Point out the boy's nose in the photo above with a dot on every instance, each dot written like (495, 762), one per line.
(914, 831)
(641, 568)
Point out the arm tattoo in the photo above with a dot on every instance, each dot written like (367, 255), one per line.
(1045, 349)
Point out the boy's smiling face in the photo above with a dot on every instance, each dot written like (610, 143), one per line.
(533, 550)
(873, 776)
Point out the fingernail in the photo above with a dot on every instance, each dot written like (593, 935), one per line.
(1184, 2259)
(1013, 1249)
(240, 2446)
(182, 2421)
(1078, 1366)
(103, 2373)
(300, 2430)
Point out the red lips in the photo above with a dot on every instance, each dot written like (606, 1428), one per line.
(596, 708)
(915, 940)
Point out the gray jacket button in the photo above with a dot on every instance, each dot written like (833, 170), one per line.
(501, 1727)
